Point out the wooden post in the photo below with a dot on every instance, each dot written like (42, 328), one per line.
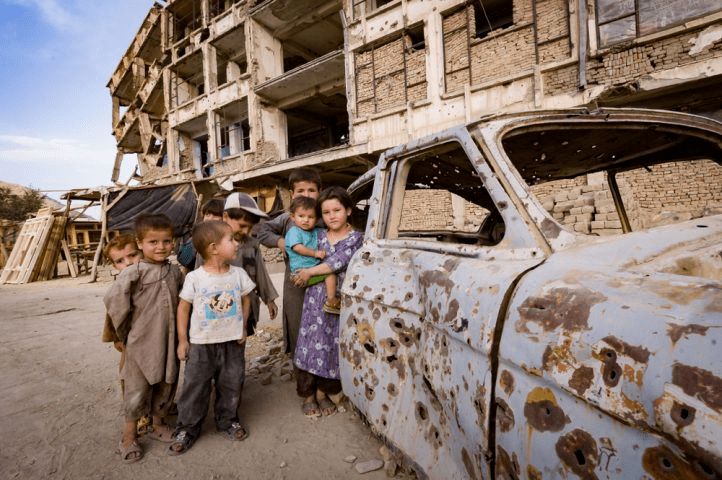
(103, 233)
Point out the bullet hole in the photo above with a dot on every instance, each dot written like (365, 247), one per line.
(580, 457)
(370, 393)
(421, 411)
(391, 358)
(681, 414)
(611, 374)
(369, 347)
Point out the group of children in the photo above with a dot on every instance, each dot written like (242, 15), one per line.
(157, 318)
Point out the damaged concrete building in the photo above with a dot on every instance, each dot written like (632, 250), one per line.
(229, 94)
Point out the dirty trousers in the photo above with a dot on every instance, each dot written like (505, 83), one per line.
(223, 363)
(141, 398)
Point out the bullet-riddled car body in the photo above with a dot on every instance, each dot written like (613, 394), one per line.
(495, 325)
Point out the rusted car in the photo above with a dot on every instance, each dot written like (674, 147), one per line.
(539, 295)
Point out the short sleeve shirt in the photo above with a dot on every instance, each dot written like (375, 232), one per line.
(294, 236)
(217, 314)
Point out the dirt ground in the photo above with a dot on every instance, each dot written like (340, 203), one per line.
(60, 404)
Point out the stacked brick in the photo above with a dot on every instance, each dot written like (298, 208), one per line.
(621, 66)
(389, 75)
(588, 209)
(562, 80)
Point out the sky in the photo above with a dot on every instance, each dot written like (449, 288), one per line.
(56, 58)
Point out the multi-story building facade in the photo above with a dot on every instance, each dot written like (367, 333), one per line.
(238, 94)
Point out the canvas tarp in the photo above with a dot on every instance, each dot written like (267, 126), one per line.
(178, 202)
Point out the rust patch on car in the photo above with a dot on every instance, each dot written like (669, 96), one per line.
(699, 383)
(542, 411)
(468, 464)
(452, 312)
(533, 473)
(391, 388)
(637, 353)
(451, 264)
(675, 332)
(435, 277)
(504, 415)
(550, 229)
(578, 450)
(506, 381)
(561, 307)
(558, 356)
(506, 466)
(661, 463)
(581, 380)
(480, 406)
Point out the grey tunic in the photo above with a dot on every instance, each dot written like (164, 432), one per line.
(142, 305)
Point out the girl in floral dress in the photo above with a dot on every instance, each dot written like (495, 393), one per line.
(316, 356)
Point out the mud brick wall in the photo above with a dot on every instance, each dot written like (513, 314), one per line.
(621, 66)
(388, 76)
(687, 189)
(475, 61)
(562, 80)
(552, 21)
(502, 55)
(426, 210)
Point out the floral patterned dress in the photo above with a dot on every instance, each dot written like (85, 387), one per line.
(317, 346)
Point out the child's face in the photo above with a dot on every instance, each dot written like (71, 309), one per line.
(227, 247)
(209, 216)
(124, 257)
(156, 245)
(304, 218)
(334, 214)
(241, 228)
(307, 189)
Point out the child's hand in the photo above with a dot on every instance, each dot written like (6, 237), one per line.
(320, 254)
(241, 341)
(272, 309)
(182, 350)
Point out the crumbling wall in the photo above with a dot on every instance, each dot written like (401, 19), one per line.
(621, 65)
(560, 81)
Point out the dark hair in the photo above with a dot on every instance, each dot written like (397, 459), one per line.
(119, 243)
(151, 221)
(334, 193)
(214, 207)
(304, 175)
(302, 202)
(240, 214)
(206, 233)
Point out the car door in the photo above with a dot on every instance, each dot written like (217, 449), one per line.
(443, 247)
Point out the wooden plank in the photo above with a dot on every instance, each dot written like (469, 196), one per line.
(27, 249)
(45, 268)
(69, 258)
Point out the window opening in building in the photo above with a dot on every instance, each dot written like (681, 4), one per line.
(619, 21)
(490, 15)
(200, 151)
(318, 124)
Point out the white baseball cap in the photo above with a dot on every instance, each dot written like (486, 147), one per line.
(244, 202)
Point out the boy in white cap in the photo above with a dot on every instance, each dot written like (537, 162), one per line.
(241, 212)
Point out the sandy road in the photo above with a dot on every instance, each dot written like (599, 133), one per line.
(60, 405)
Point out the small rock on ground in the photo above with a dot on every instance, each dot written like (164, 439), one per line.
(369, 466)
